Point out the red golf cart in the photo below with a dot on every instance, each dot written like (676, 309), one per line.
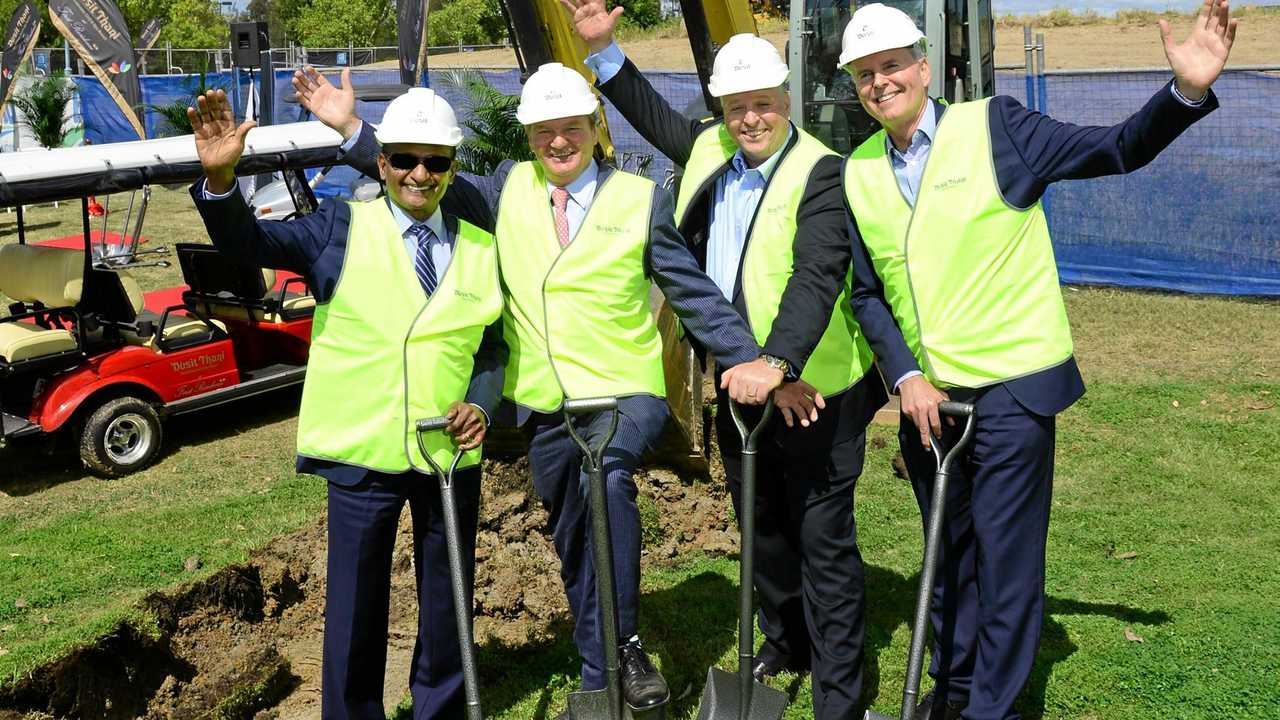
(81, 353)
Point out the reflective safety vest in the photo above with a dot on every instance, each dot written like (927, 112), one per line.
(972, 281)
(384, 355)
(842, 355)
(577, 320)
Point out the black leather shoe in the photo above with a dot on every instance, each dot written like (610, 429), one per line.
(642, 685)
(931, 708)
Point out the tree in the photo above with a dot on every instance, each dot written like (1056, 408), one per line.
(195, 24)
(466, 22)
(44, 106)
(490, 116)
(335, 23)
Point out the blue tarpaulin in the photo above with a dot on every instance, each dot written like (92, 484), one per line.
(1201, 218)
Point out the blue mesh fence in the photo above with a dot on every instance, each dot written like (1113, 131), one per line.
(1201, 218)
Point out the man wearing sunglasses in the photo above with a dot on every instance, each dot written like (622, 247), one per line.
(406, 327)
(580, 244)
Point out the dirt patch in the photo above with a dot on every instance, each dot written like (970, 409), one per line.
(246, 642)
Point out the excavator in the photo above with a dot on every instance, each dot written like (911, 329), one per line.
(823, 102)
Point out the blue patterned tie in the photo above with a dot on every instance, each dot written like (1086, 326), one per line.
(422, 263)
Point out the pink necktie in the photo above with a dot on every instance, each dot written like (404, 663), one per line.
(560, 200)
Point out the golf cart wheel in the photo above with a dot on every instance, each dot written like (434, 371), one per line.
(121, 437)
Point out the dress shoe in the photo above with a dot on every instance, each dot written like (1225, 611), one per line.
(642, 685)
(764, 667)
(931, 708)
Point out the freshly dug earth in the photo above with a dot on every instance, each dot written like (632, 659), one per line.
(246, 642)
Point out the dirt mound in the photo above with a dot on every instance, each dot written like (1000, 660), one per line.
(246, 642)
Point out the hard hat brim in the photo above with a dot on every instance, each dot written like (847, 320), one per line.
(902, 41)
(577, 108)
(763, 81)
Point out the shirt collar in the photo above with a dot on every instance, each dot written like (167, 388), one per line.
(404, 222)
(583, 187)
(927, 128)
(767, 167)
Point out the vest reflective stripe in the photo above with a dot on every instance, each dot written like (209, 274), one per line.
(971, 280)
(842, 356)
(577, 320)
(383, 355)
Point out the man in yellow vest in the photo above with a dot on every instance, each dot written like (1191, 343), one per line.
(406, 327)
(580, 245)
(760, 206)
(952, 233)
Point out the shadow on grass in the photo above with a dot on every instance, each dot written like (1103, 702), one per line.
(34, 464)
(11, 228)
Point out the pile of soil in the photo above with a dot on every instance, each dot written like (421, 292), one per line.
(246, 642)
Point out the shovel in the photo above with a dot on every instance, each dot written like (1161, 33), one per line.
(933, 538)
(741, 697)
(461, 596)
(603, 704)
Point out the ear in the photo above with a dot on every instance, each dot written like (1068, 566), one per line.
(926, 72)
(382, 167)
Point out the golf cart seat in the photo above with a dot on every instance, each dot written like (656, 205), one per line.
(179, 330)
(45, 282)
(225, 288)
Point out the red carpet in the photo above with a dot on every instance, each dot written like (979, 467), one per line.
(76, 242)
(157, 300)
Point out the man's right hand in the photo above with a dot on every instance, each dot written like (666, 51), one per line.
(335, 107)
(920, 402)
(219, 141)
(594, 21)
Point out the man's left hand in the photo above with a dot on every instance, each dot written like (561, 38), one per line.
(750, 383)
(466, 425)
(799, 401)
(1199, 60)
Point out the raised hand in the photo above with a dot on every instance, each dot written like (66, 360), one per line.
(335, 107)
(593, 21)
(219, 141)
(1199, 60)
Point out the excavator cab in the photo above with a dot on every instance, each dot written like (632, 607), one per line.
(824, 100)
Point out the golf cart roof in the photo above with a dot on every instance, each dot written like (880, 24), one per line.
(65, 173)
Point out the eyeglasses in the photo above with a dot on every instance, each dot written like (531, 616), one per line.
(408, 162)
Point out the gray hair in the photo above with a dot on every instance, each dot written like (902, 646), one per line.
(920, 49)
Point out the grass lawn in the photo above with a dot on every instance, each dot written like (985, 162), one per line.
(1163, 597)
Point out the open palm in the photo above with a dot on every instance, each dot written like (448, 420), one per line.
(219, 141)
(1198, 60)
(334, 106)
(593, 21)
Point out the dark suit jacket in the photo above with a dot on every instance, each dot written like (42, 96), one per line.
(820, 262)
(1030, 151)
(315, 247)
(694, 298)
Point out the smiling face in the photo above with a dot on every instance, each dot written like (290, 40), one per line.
(758, 122)
(416, 190)
(893, 87)
(563, 146)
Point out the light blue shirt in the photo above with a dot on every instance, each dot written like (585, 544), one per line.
(606, 63)
(908, 167)
(737, 195)
(440, 245)
(581, 192)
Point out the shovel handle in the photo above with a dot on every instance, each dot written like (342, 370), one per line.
(593, 458)
(750, 436)
(586, 406)
(435, 424)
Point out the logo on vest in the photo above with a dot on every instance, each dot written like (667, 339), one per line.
(609, 229)
(950, 183)
(465, 295)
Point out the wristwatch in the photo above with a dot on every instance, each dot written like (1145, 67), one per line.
(776, 363)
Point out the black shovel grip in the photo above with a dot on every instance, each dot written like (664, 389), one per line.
(951, 407)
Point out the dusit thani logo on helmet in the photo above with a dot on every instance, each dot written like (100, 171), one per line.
(742, 66)
(553, 95)
(864, 32)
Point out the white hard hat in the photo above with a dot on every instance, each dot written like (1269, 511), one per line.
(875, 28)
(746, 63)
(419, 116)
(555, 92)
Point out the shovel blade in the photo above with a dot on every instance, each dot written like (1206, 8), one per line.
(591, 705)
(722, 699)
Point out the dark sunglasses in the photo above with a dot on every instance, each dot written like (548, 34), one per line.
(409, 161)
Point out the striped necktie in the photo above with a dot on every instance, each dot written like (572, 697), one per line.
(423, 264)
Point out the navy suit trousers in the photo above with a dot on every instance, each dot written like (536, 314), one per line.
(362, 533)
(988, 600)
(555, 462)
